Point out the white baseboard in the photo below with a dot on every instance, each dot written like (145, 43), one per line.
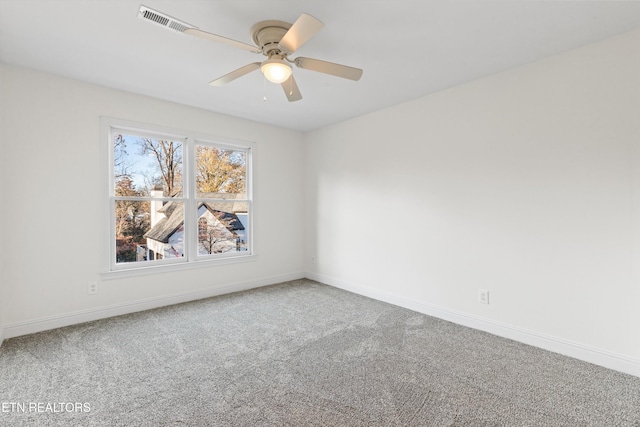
(51, 322)
(557, 345)
(568, 348)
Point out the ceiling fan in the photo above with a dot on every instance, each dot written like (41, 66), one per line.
(274, 39)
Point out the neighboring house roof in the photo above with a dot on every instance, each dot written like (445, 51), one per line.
(174, 219)
(168, 208)
(231, 219)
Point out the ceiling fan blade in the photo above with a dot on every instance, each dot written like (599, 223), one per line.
(305, 27)
(196, 32)
(235, 74)
(291, 89)
(329, 68)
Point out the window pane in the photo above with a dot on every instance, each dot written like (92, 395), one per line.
(140, 164)
(220, 171)
(141, 236)
(222, 227)
(132, 223)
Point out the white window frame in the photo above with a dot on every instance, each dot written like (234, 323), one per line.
(191, 259)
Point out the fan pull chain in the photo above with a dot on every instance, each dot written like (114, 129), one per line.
(264, 89)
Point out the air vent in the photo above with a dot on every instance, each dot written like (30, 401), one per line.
(163, 20)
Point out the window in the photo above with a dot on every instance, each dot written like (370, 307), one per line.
(176, 198)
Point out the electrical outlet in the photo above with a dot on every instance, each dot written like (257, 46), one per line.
(92, 288)
(483, 296)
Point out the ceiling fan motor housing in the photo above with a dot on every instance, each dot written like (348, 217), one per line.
(267, 35)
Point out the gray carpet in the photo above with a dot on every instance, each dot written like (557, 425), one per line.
(299, 354)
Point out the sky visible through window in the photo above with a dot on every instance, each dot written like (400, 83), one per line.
(131, 159)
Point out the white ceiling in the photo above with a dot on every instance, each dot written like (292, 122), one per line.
(407, 48)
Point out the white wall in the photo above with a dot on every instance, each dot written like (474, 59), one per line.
(524, 183)
(52, 162)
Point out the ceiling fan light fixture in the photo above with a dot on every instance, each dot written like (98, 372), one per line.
(276, 70)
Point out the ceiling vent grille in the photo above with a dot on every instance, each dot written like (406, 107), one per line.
(162, 19)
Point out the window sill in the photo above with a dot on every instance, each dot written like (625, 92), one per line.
(183, 266)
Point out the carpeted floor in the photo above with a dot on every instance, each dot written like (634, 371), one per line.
(299, 354)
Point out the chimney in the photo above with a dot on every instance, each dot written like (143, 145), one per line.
(156, 216)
